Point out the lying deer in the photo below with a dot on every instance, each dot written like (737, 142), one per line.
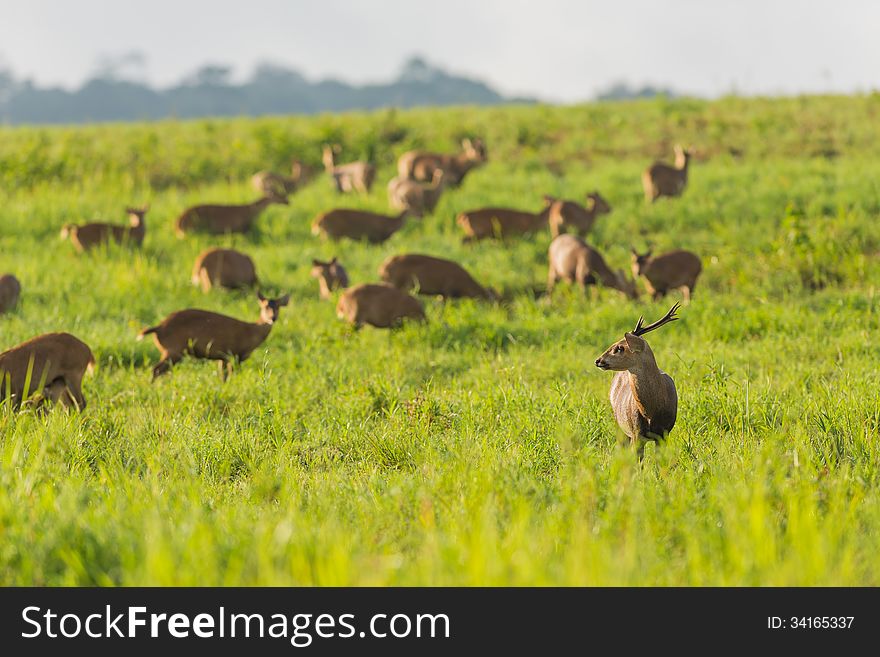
(357, 225)
(10, 291)
(415, 197)
(429, 275)
(331, 276)
(269, 183)
(88, 236)
(421, 165)
(565, 215)
(502, 222)
(573, 260)
(52, 364)
(674, 270)
(643, 396)
(224, 268)
(661, 179)
(220, 219)
(381, 306)
(350, 177)
(211, 336)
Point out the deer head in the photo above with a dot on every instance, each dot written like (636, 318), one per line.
(269, 308)
(639, 261)
(627, 354)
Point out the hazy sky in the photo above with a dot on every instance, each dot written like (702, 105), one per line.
(555, 49)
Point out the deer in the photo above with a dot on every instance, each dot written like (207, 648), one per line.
(211, 336)
(357, 225)
(643, 396)
(52, 364)
(269, 183)
(223, 268)
(565, 215)
(10, 291)
(573, 260)
(500, 223)
(677, 269)
(430, 275)
(381, 306)
(88, 236)
(350, 177)
(421, 165)
(661, 179)
(415, 197)
(331, 276)
(220, 219)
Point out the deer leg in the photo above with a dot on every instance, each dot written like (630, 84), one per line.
(74, 391)
(686, 293)
(551, 281)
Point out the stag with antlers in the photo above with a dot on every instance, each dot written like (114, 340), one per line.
(642, 395)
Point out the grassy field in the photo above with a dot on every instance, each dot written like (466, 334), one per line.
(478, 449)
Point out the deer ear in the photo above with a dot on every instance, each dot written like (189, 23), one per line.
(333, 261)
(260, 296)
(466, 143)
(316, 262)
(283, 301)
(634, 342)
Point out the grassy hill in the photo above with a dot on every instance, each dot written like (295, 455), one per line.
(479, 448)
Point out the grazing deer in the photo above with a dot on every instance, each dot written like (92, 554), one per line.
(674, 270)
(429, 275)
(53, 364)
(421, 165)
(661, 179)
(357, 225)
(10, 291)
(211, 336)
(88, 236)
(642, 395)
(573, 260)
(224, 268)
(269, 183)
(331, 276)
(500, 223)
(381, 306)
(220, 219)
(415, 197)
(350, 177)
(565, 215)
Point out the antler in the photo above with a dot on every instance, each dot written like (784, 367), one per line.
(668, 317)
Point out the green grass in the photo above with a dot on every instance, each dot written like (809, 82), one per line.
(479, 448)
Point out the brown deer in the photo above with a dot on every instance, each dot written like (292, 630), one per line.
(421, 165)
(430, 275)
(661, 179)
(211, 336)
(88, 236)
(350, 177)
(224, 268)
(573, 260)
(677, 269)
(52, 364)
(220, 219)
(381, 306)
(331, 276)
(357, 225)
(10, 291)
(500, 223)
(565, 215)
(269, 183)
(643, 396)
(415, 197)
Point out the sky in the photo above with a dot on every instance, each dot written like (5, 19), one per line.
(556, 50)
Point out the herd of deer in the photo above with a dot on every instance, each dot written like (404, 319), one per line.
(50, 367)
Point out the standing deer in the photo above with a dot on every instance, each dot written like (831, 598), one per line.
(357, 225)
(661, 179)
(565, 215)
(381, 306)
(430, 275)
(220, 219)
(573, 260)
(350, 177)
(674, 270)
(642, 395)
(211, 336)
(88, 236)
(331, 276)
(269, 183)
(421, 165)
(500, 223)
(10, 290)
(415, 197)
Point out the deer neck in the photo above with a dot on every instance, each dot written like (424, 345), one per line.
(261, 330)
(648, 387)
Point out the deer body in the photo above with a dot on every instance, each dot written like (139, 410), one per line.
(10, 291)
(357, 225)
(422, 165)
(573, 260)
(269, 183)
(220, 219)
(331, 276)
(224, 268)
(60, 360)
(415, 197)
(669, 271)
(381, 306)
(431, 276)
(661, 179)
(501, 222)
(350, 177)
(88, 236)
(565, 215)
